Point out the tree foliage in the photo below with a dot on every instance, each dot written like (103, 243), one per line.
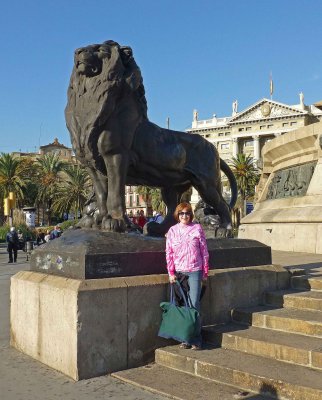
(12, 177)
(152, 196)
(49, 169)
(73, 191)
(247, 177)
(246, 174)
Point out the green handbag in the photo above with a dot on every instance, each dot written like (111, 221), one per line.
(179, 323)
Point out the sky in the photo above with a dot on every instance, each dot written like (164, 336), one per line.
(192, 54)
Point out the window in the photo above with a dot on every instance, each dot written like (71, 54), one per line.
(227, 133)
(270, 126)
(293, 123)
(262, 127)
(224, 146)
(285, 124)
(241, 129)
(249, 128)
(220, 134)
(137, 200)
(131, 201)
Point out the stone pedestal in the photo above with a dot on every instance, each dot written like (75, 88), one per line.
(90, 304)
(87, 328)
(90, 254)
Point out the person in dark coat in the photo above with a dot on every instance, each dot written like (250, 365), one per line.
(12, 243)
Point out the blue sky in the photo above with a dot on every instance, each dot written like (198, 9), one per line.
(192, 54)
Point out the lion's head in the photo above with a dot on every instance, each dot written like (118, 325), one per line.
(89, 60)
(100, 72)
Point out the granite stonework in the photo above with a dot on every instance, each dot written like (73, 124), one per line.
(87, 328)
(288, 212)
(92, 254)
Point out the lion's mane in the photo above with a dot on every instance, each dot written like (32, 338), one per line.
(91, 94)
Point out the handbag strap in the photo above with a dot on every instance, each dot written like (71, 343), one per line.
(172, 301)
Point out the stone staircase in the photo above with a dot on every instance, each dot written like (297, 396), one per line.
(273, 350)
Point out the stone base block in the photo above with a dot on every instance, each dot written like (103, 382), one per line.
(92, 254)
(87, 328)
(298, 237)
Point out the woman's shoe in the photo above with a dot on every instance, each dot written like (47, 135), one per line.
(185, 346)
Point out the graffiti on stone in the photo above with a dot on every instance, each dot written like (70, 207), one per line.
(291, 182)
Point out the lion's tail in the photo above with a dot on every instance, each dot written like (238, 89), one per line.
(232, 181)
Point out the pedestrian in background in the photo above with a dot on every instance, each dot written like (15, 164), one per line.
(12, 244)
(47, 236)
(141, 221)
(157, 217)
(56, 232)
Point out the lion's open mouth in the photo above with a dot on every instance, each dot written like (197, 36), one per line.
(86, 68)
(78, 63)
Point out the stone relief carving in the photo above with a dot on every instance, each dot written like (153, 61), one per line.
(266, 110)
(291, 182)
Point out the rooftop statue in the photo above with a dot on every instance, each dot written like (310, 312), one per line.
(111, 135)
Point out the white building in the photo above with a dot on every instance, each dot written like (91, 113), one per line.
(247, 131)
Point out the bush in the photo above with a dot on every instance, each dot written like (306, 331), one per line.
(27, 232)
(67, 224)
(3, 232)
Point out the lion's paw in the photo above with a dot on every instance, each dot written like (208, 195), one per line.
(224, 233)
(113, 224)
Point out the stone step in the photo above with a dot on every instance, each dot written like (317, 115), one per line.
(305, 300)
(304, 322)
(282, 346)
(182, 386)
(306, 282)
(247, 371)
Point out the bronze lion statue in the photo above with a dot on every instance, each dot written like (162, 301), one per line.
(111, 135)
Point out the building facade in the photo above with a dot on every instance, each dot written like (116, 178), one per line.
(65, 153)
(248, 130)
(134, 202)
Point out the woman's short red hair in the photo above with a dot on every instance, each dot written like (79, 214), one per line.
(181, 207)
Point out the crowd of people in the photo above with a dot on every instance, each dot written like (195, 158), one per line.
(16, 240)
(140, 219)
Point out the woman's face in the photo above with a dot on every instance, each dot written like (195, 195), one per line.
(184, 216)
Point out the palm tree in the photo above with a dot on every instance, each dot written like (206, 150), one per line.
(246, 175)
(152, 197)
(74, 190)
(49, 177)
(12, 177)
(30, 190)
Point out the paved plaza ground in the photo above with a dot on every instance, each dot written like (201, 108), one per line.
(22, 378)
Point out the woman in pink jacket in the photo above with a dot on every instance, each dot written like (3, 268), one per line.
(186, 252)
